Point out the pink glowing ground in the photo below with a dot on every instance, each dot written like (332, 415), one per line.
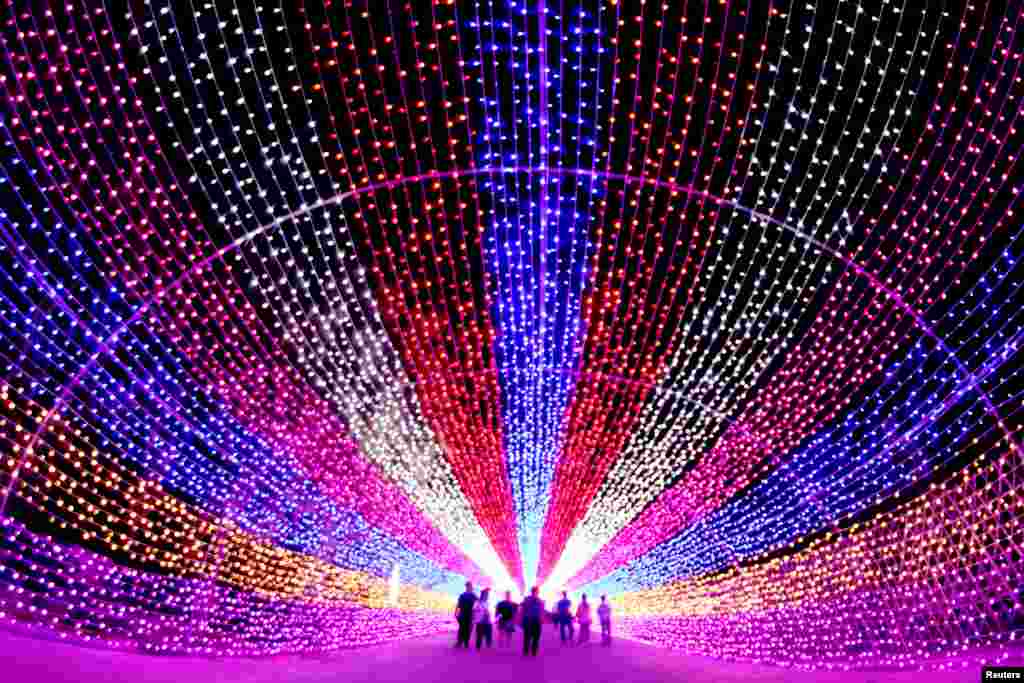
(427, 660)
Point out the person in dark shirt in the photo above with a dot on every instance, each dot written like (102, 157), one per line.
(464, 615)
(532, 610)
(506, 610)
(565, 618)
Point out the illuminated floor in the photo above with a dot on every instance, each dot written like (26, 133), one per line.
(424, 660)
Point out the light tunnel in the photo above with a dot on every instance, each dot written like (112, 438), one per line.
(313, 311)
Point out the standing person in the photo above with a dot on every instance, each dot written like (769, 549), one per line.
(583, 617)
(565, 617)
(506, 610)
(464, 615)
(604, 613)
(482, 618)
(532, 610)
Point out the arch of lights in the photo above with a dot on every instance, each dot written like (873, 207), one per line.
(312, 311)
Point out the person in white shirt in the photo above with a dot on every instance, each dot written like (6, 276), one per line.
(604, 613)
(482, 619)
(583, 619)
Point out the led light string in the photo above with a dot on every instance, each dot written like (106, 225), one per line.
(725, 107)
(534, 400)
(511, 313)
(686, 552)
(567, 569)
(702, 360)
(586, 280)
(775, 283)
(248, 50)
(546, 306)
(117, 601)
(12, 463)
(434, 506)
(293, 62)
(526, 298)
(717, 259)
(567, 350)
(781, 586)
(112, 477)
(582, 421)
(716, 309)
(157, 501)
(445, 413)
(510, 293)
(573, 460)
(501, 470)
(428, 501)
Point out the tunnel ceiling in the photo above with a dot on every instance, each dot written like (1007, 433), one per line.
(313, 311)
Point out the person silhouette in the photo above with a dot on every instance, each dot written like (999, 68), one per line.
(482, 619)
(532, 610)
(583, 618)
(604, 614)
(565, 618)
(506, 610)
(464, 615)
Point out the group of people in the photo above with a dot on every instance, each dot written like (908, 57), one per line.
(564, 617)
(474, 611)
